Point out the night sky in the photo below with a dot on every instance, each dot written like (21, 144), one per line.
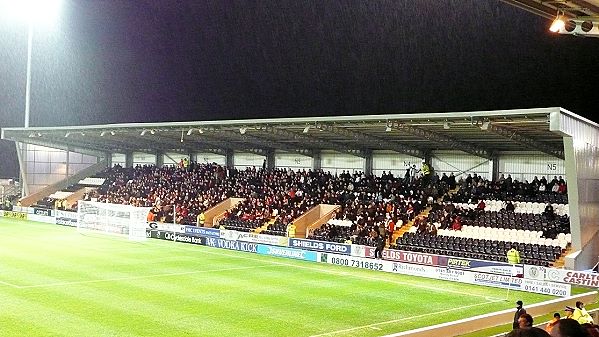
(154, 61)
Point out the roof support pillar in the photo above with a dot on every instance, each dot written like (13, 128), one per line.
(270, 159)
(159, 158)
(494, 168)
(129, 159)
(108, 157)
(229, 158)
(316, 160)
(368, 163)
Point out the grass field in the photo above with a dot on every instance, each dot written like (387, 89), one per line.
(57, 282)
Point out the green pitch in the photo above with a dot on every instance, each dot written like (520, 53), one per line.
(57, 282)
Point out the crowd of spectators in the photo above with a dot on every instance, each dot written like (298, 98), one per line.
(475, 187)
(371, 206)
(271, 197)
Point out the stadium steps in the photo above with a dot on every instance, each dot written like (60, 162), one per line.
(406, 227)
(560, 261)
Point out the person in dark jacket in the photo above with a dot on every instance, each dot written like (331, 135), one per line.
(519, 312)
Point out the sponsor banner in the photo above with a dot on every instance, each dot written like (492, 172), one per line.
(41, 218)
(42, 211)
(328, 247)
(358, 250)
(20, 209)
(291, 253)
(408, 257)
(66, 222)
(28, 210)
(354, 262)
(498, 281)
(15, 215)
(534, 272)
(65, 214)
(582, 278)
(449, 274)
(491, 267)
(166, 227)
(232, 245)
(272, 240)
(173, 236)
(202, 231)
(66, 218)
(546, 287)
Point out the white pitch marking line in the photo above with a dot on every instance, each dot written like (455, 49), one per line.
(9, 284)
(401, 319)
(136, 277)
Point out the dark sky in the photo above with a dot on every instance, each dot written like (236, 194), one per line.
(144, 61)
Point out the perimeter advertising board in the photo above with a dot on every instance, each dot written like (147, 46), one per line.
(232, 245)
(581, 278)
(15, 215)
(202, 231)
(166, 227)
(445, 273)
(66, 218)
(291, 253)
(482, 266)
(321, 246)
(274, 240)
(174, 236)
(42, 211)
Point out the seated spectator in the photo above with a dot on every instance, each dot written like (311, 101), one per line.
(549, 212)
(456, 224)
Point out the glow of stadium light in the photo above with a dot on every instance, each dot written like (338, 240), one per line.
(32, 11)
(557, 24)
(189, 132)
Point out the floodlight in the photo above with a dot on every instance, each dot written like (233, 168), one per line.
(485, 125)
(102, 133)
(306, 129)
(143, 132)
(152, 131)
(32, 11)
(446, 125)
(243, 130)
(200, 131)
(189, 132)
(112, 133)
(66, 135)
(557, 24)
